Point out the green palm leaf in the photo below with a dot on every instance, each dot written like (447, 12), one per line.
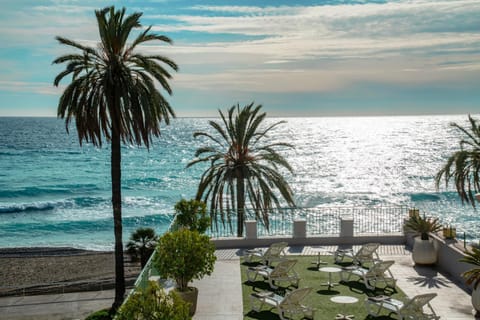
(463, 166)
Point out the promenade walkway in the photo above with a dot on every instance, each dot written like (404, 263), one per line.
(221, 293)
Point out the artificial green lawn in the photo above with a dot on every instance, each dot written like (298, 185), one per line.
(319, 298)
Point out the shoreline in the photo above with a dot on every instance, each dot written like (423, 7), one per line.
(14, 252)
(41, 270)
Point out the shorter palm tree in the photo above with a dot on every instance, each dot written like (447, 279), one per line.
(463, 166)
(243, 167)
(142, 244)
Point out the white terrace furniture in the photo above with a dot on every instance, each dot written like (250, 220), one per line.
(379, 272)
(416, 308)
(330, 270)
(284, 271)
(273, 253)
(290, 305)
(366, 253)
(344, 300)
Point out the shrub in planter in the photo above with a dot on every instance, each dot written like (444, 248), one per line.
(154, 304)
(192, 214)
(100, 315)
(423, 251)
(184, 255)
(449, 232)
(422, 225)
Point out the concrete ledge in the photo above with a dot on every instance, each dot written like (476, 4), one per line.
(227, 243)
(448, 258)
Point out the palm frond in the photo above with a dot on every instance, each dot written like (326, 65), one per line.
(463, 166)
(239, 170)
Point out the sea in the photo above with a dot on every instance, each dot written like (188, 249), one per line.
(55, 192)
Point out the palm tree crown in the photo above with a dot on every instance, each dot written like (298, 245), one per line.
(242, 166)
(463, 166)
(112, 95)
(142, 244)
(113, 88)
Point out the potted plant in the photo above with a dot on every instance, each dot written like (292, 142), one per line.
(424, 251)
(191, 214)
(472, 276)
(185, 255)
(449, 232)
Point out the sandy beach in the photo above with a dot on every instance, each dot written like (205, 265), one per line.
(47, 270)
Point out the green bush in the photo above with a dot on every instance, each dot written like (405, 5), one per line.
(191, 214)
(184, 255)
(99, 315)
(154, 304)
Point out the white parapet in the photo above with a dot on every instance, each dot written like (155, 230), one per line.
(300, 228)
(346, 226)
(251, 229)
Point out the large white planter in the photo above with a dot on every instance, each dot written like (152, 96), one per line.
(476, 299)
(424, 251)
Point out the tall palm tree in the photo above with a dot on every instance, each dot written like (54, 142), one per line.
(112, 96)
(242, 167)
(463, 166)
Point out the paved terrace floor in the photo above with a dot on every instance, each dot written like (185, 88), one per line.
(221, 293)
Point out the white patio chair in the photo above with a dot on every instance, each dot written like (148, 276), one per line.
(416, 308)
(379, 272)
(366, 253)
(273, 253)
(284, 271)
(290, 305)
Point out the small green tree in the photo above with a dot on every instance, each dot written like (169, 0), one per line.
(142, 244)
(192, 214)
(154, 304)
(184, 255)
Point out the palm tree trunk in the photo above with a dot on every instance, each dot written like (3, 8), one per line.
(240, 204)
(117, 220)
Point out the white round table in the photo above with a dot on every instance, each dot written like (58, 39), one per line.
(330, 270)
(344, 300)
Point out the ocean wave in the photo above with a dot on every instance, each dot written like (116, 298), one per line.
(17, 208)
(48, 190)
(437, 196)
(160, 222)
(41, 206)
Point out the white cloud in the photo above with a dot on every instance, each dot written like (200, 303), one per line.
(281, 48)
(30, 87)
(378, 41)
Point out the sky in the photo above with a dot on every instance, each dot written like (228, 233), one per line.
(296, 58)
